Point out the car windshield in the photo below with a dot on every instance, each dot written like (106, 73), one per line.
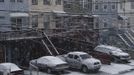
(85, 56)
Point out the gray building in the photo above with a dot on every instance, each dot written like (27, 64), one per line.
(126, 11)
(13, 14)
(106, 11)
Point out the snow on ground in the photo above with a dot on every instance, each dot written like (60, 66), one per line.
(131, 63)
(115, 68)
(129, 73)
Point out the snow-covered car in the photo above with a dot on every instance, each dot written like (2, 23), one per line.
(117, 54)
(83, 61)
(10, 69)
(50, 63)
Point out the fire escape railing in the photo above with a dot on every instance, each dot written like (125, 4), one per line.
(14, 35)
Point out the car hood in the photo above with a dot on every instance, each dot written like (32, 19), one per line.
(91, 60)
(116, 53)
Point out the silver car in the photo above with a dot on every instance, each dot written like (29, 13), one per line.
(83, 61)
(50, 63)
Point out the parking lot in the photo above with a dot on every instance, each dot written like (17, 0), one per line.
(113, 69)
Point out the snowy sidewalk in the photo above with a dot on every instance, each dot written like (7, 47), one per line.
(116, 68)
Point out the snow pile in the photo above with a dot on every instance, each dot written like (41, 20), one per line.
(115, 68)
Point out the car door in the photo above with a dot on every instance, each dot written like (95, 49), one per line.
(77, 61)
(70, 59)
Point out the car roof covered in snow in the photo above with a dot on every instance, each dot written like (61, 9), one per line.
(77, 53)
(9, 67)
(109, 47)
(53, 59)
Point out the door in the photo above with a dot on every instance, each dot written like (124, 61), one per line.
(77, 62)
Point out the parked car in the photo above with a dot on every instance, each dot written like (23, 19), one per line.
(83, 61)
(10, 69)
(50, 63)
(116, 53)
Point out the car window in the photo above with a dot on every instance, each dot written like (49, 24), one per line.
(76, 57)
(85, 56)
(70, 56)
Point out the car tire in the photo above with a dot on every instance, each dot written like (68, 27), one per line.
(49, 70)
(85, 69)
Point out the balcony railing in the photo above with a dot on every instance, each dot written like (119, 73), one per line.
(16, 35)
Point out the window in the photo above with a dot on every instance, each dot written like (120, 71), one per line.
(105, 24)
(121, 5)
(1, 0)
(58, 2)
(2, 17)
(20, 1)
(70, 56)
(46, 2)
(16, 23)
(132, 5)
(96, 7)
(113, 6)
(35, 21)
(12, 0)
(34, 2)
(105, 7)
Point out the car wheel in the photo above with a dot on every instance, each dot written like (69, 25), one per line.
(49, 70)
(85, 69)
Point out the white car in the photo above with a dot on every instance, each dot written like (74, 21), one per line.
(10, 69)
(50, 63)
(83, 61)
(116, 53)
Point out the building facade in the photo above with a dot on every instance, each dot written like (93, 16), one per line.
(106, 11)
(44, 13)
(13, 14)
(125, 11)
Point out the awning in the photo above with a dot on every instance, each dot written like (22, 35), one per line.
(60, 13)
(95, 15)
(19, 15)
(121, 17)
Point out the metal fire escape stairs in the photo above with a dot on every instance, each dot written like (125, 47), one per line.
(49, 44)
(127, 38)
